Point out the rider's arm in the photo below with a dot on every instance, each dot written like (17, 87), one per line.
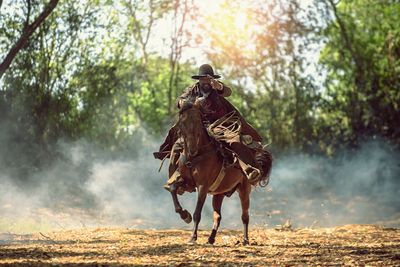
(224, 90)
(220, 87)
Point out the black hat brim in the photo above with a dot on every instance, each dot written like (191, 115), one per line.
(196, 77)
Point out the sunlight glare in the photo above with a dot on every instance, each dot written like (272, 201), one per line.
(208, 6)
(241, 21)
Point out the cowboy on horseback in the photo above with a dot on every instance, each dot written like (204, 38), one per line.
(209, 94)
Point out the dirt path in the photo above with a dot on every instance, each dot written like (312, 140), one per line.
(346, 245)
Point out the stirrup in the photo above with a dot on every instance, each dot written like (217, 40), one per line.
(254, 175)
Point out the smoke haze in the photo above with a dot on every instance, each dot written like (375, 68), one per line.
(87, 187)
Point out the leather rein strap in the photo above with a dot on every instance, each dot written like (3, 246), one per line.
(201, 157)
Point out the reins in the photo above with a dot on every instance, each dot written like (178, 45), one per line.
(201, 156)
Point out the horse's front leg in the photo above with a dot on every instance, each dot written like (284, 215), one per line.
(185, 215)
(173, 188)
(201, 197)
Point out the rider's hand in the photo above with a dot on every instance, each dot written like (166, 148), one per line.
(216, 85)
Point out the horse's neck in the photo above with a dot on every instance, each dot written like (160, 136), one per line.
(204, 139)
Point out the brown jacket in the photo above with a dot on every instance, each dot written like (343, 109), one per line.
(216, 106)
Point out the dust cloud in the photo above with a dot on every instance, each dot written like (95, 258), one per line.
(87, 187)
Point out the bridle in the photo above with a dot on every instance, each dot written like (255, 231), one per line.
(202, 152)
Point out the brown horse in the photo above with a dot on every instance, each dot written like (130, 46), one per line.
(200, 162)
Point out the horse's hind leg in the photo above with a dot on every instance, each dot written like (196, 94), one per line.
(244, 193)
(216, 203)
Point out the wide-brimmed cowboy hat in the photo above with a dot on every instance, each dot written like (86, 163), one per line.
(204, 71)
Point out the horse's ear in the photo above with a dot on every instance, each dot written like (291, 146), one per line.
(186, 105)
(197, 103)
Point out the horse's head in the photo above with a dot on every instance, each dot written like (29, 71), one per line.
(191, 127)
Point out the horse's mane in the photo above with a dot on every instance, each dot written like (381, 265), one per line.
(186, 105)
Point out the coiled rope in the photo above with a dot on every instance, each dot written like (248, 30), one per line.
(227, 128)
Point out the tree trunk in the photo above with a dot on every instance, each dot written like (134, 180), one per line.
(26, 34)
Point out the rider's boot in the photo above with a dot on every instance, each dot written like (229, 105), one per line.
(253, 174)
(176, 182)
(245, 154)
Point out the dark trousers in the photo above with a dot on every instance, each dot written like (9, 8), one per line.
(245, 154)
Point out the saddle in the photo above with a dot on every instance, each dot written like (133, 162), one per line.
(223, 133)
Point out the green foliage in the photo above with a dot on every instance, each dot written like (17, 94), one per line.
(88, 72)
(362, 60)
(80, 77)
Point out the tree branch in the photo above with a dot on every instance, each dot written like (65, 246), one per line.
(26, 34)
(345, 35)
(28, 15)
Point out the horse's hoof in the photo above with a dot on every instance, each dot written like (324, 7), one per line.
(211, 241)
(192, 241)
(185, 215)
(245, 242)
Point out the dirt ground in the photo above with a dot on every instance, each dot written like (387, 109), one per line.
(346, 245)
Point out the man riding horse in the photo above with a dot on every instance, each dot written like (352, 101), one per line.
(210, 94)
